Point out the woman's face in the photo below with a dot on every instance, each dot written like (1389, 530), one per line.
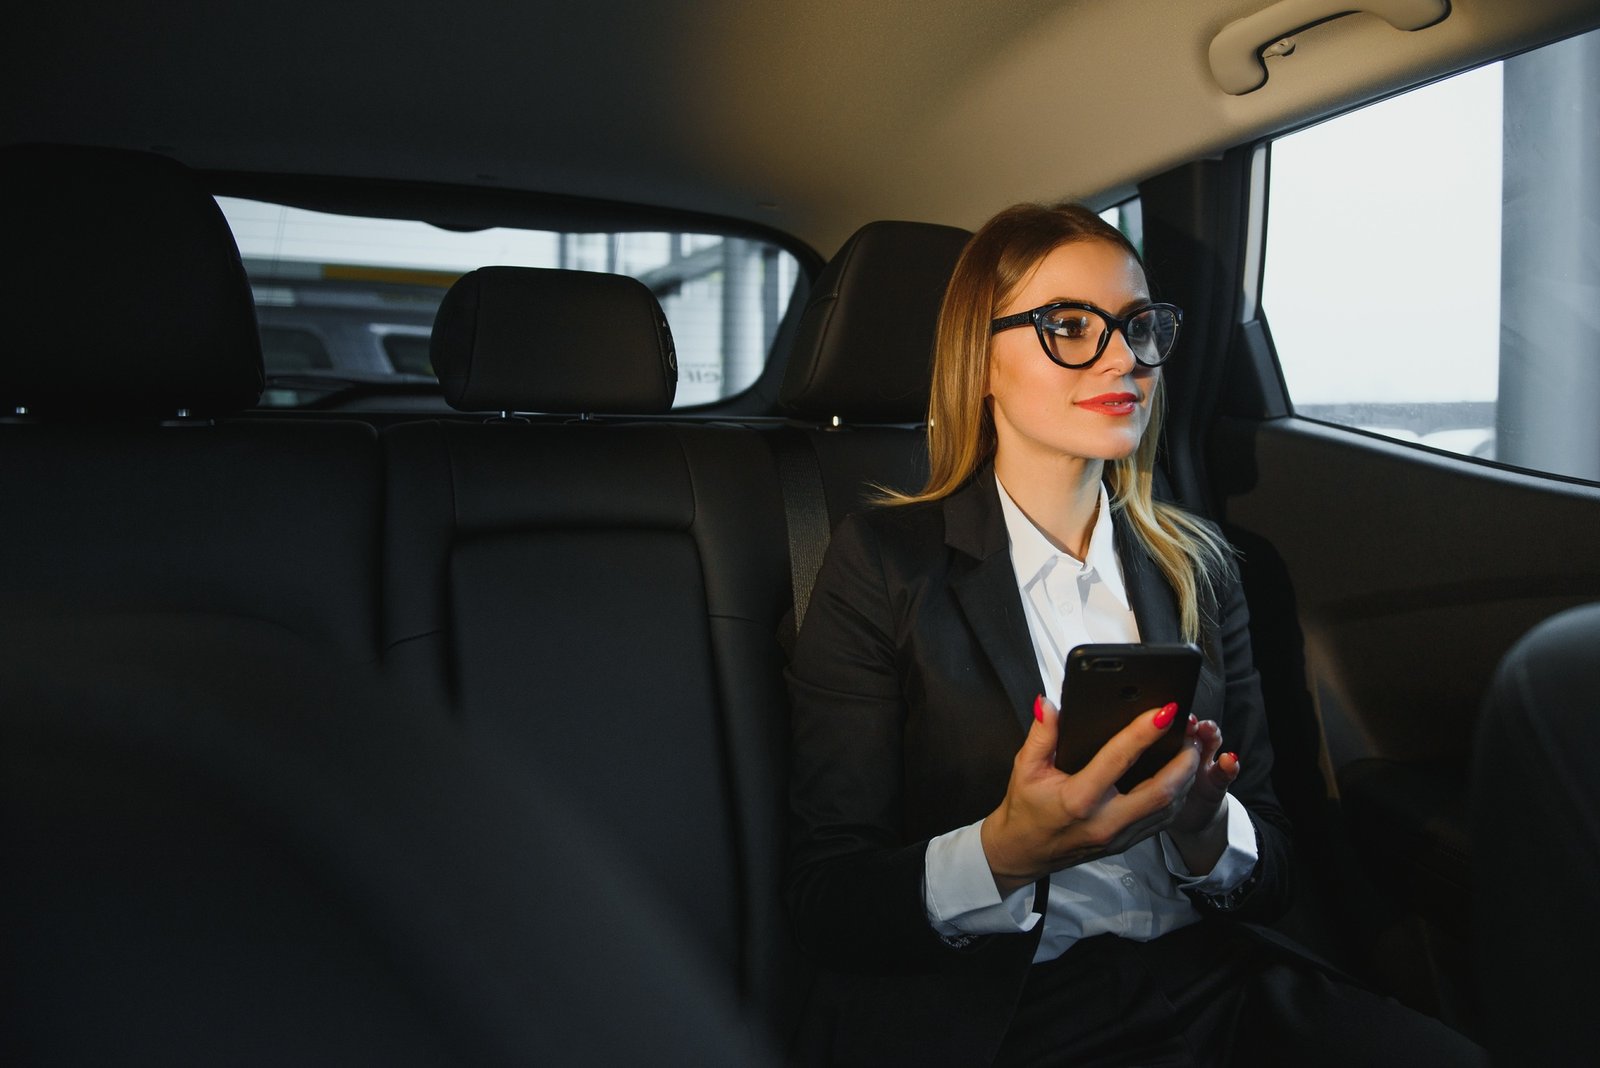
(1040, 408)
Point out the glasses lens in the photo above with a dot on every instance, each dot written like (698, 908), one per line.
(1152, 333)
(1072, 333)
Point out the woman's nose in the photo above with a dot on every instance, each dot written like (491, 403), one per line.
(1118, 354)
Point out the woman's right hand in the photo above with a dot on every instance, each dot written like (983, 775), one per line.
(1051, 820)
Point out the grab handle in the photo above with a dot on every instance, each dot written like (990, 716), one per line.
(1236, 49)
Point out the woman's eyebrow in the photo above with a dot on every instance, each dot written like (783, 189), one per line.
(1122, 313)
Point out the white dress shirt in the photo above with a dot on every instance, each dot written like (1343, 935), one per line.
(1136, 894)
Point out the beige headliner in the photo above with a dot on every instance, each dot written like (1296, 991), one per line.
(813, 116)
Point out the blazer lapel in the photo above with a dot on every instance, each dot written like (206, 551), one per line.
(985, 586)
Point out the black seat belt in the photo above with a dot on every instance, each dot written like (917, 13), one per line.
(805, 510)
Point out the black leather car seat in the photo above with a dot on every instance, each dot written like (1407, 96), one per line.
(130, 338)
(861, 368)
(224, 847)
(1535, 836)
(599, 596)
(857, 383)
(225, 841)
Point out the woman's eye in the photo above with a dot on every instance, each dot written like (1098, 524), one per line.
(1070, 326)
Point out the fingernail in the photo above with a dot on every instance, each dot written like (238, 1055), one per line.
(1235, 757)
(1038, 708)
(1164, 718)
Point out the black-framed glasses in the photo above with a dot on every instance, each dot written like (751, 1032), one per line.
(1074, 334)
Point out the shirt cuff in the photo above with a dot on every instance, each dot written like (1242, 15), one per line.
(959, 894)
(1231, 870)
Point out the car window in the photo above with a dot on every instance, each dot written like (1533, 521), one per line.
(287, 349)
(344, 299)
(1429, 273)
(1127, 217)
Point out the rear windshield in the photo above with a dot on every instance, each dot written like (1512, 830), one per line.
(346, 303)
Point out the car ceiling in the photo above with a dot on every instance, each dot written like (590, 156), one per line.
(811, 116)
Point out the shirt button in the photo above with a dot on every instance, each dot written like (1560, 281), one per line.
(1129, 881)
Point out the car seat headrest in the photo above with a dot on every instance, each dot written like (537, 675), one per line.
(121, 288)
(865, 343)
(530, 339)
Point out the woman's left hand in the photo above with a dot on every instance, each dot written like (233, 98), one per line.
(1200, 830)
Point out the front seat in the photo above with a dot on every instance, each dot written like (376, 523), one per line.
(1535, 823)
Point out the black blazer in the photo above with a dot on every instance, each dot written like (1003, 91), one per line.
(912, 687)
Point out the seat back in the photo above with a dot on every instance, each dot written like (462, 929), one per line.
(130, 340)
(857, 385)
(600, 598)
(860, 373)
(253, 855)
(1535, 811)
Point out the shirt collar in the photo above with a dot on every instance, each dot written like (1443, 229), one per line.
(1032, 553)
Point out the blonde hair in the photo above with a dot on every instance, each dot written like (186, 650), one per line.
(961, 434)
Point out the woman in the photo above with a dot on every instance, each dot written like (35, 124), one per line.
(968, 902)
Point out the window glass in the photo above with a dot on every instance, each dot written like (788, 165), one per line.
(364, 291)
(408, 350)
(285, 349)
(1429, 273)
(1128, 218)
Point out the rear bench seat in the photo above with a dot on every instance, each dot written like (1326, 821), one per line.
(599, 599)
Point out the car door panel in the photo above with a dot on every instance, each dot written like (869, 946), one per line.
(1407, 574)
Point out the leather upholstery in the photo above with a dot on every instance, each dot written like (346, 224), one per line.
(598, 604)
(272, 521)
(603, 600)
(865, 340)
(532, 340)
(223, 847)
(1534, 799)
(586, 599)
(121, 288)
(105, 509)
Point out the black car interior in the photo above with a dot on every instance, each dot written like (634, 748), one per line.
(600, 599)
(1533, 799)
(490, 707)
(224, 846)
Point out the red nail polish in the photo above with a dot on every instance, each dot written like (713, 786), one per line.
(1235, 757)
(1038, 708)
(1164, 718)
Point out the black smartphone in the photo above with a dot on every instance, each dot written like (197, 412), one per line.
(1106, 686)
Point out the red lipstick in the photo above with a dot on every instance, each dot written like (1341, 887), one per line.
(1111, 403)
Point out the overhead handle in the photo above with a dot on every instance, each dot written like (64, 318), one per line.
(1236, 49)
